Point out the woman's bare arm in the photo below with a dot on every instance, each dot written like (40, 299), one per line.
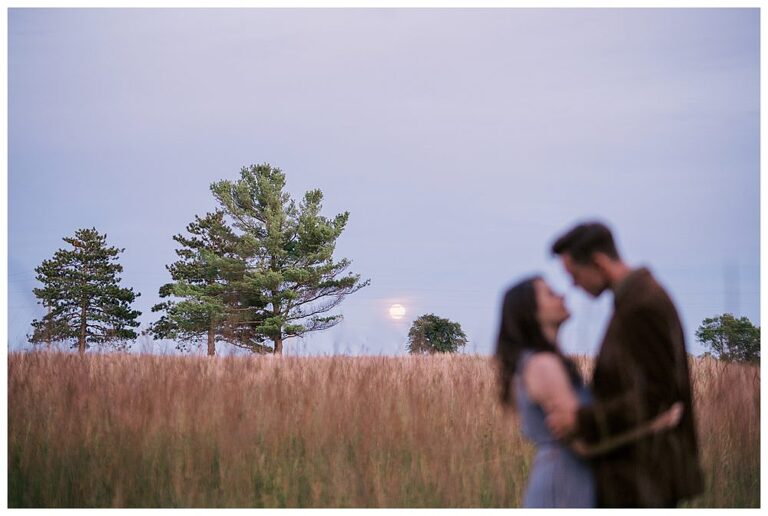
(548, 385)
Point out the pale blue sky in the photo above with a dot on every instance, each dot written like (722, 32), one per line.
(461, 141)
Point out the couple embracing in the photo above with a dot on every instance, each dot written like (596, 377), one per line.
(627, 439)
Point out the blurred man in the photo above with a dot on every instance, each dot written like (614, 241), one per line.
(640, 371)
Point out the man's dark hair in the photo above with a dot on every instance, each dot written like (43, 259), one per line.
(585, 239)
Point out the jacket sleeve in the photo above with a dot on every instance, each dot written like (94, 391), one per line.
(647, 378)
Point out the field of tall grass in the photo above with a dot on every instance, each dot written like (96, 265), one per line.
(172, 431)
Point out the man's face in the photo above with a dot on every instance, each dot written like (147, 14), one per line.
(588, 275)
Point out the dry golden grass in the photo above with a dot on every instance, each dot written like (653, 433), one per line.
(160, 431)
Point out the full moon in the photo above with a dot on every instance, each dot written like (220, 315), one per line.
(396, 311)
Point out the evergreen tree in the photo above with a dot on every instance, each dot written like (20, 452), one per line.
(81, 293)
(208, 280)
(288, 251)
(432, 334)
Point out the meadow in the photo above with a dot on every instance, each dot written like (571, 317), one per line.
(125, 430)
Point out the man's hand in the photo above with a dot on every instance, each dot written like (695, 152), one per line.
(562, 422)
(668, 419)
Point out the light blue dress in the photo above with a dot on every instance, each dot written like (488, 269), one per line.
(558, 477)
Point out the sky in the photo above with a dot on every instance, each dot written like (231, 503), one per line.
(461, 141)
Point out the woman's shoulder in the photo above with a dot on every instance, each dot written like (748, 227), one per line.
(546, 379)
(542, 359)
(541, 364)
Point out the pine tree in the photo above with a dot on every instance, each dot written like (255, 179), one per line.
(289, 254)
(81, 293)
(208, 280)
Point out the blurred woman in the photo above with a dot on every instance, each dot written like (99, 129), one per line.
(537, 379)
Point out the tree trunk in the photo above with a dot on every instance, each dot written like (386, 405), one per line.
(211, 341)
(278, 338)
(83, 326)
(48, 330)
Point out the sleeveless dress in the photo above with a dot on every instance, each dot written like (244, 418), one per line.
(558, 477)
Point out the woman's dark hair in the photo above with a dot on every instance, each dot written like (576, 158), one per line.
(520, 330)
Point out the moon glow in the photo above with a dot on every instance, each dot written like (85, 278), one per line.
(396, 311)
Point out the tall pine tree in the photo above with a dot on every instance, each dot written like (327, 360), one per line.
(82, 296)
(207, 279)
(288, 254)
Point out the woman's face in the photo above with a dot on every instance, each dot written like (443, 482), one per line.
(550, 307)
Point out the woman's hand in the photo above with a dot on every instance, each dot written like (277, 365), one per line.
(579, 447)
(561, 421)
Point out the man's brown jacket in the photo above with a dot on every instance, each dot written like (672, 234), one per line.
(640, 371)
